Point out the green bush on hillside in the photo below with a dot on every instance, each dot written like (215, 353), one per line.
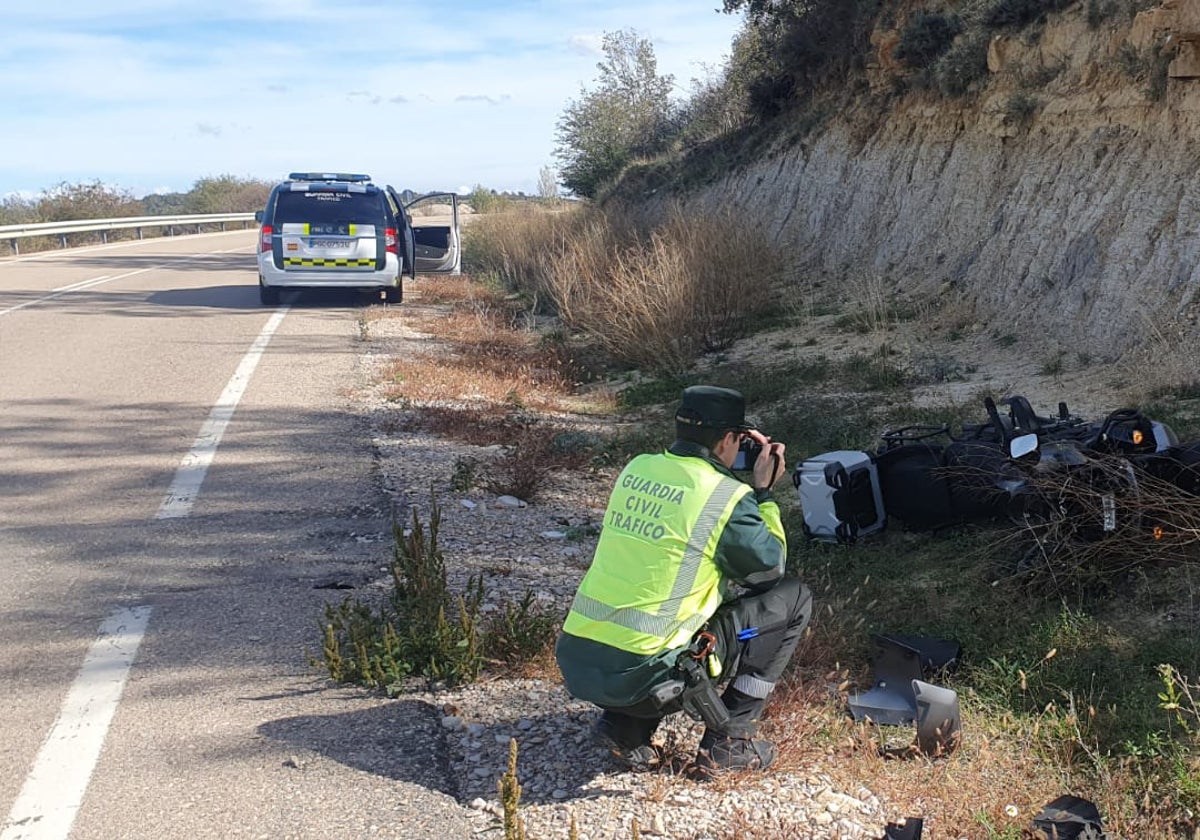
(925, 37)
(964, 64)
(1018, 13)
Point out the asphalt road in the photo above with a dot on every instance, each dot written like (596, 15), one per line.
(211, 722)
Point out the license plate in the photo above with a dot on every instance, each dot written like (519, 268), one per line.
(329, 244)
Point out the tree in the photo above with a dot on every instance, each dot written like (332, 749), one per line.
(628, 115)
(483, 200)
(227, 194)
(548, 183)
(68, 202)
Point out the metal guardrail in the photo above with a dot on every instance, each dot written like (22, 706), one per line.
(13, 233)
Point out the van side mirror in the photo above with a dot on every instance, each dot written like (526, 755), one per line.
(258, 216)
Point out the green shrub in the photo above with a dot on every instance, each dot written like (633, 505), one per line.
(1020, 106)
(424, 630)
(524, 631)
(1018, 13)
(925, 37)
(419, 630)
(964, 64)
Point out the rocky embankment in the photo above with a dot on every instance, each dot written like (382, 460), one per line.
(1062, 201)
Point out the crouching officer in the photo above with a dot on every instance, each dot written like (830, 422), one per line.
(657, 624)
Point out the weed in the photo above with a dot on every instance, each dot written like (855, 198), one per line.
(871, 373)
(938, 367)
(509, 788)
(1147, 65)
(1040, 75)
(522, 635)
(420, 630)
(963, 65)
(424, 630)
(465, 474)
(872, 305)
(652, 392)
(576, 533)
(1020, 106)
(527, 462)
(1054, 366)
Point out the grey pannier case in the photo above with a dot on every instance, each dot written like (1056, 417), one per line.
(840, 495)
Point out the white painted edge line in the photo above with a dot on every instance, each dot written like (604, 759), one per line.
(190, 475)
(46, 807)
(100, 281)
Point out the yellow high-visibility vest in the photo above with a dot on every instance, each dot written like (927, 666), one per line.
(653, 582)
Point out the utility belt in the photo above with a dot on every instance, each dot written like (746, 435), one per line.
(691, 687)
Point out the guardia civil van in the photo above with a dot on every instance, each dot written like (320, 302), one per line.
(334, 230)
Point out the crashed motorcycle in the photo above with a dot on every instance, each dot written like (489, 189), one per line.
(1068, 484)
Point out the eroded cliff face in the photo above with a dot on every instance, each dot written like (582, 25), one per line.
(1076, 225)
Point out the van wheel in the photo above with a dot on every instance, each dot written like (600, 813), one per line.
(266, 295)
(393, 294)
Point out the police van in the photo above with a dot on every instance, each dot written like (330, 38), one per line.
(333, 230)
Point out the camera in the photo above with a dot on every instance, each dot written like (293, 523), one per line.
(748, 451)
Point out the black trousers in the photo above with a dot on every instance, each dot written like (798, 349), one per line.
(772, 621)
(771, 624)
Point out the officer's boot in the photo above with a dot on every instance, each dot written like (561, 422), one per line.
(627, 738)
(734, 747)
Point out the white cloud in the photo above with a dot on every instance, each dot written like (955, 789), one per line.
(147, 93)
(591, 45)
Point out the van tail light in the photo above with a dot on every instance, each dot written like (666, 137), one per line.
(390, 241)
(264, 242)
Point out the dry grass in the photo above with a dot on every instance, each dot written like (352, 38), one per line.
(487, 361)
(691, 285)
(654, 295)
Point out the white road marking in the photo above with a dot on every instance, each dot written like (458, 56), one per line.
(77, 287)
(53, 791)
(190, 475)
(80, 284)
(99, 281)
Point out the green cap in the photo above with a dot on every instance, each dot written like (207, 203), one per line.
(713, 408)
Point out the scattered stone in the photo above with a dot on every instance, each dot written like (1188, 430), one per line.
(516, 546)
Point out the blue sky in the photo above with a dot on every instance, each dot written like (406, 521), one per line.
(149, 95)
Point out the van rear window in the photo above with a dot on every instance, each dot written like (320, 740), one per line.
(317, 206)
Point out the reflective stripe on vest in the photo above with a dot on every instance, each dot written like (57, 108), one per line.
(665, 624)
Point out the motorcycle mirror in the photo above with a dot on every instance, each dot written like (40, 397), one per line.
(1023, 445)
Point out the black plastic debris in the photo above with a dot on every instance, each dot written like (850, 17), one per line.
(898, 662)
(910, 830)
(1069, 818)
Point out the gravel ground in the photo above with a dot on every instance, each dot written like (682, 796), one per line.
(546, 546)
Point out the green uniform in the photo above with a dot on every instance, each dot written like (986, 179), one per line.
(679, 528)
